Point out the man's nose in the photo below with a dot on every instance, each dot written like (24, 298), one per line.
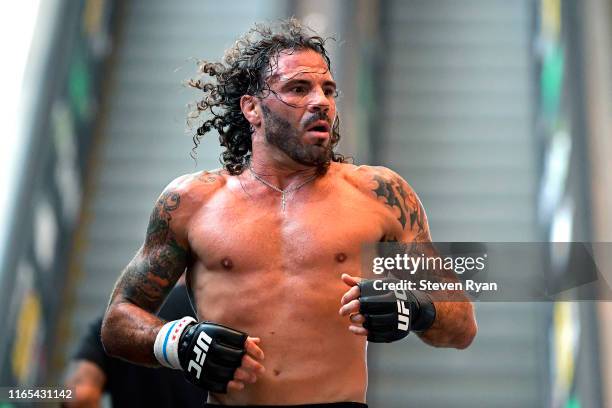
(318, 101)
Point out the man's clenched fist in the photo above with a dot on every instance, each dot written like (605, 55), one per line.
(214, 357)
(385, 315)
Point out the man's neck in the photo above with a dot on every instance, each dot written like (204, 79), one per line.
(277, 168)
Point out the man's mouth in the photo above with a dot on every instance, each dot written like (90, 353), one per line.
(320, 127)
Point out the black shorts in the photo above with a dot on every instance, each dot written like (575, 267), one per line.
(329, 405)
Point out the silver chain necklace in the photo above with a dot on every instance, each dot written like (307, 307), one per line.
(283, 192)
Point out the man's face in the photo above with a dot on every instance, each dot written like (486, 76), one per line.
(300, 110)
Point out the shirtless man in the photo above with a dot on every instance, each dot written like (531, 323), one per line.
(271, 244)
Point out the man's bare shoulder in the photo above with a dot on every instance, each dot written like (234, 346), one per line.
(199, 186)
(370, 178)
(187, 193)
(390, 190)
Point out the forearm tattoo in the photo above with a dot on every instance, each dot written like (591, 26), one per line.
(161, 261)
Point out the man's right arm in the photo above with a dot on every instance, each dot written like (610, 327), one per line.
(131, 330)
(130, 325)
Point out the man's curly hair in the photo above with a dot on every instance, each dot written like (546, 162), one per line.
(244, 70)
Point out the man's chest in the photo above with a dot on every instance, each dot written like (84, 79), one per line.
(239, 233)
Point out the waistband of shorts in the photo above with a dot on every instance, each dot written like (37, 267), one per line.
(325, 405)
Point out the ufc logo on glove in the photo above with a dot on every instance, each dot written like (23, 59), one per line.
(403, 312)
(200, 351)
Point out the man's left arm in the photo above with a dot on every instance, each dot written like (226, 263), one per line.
(454, 324)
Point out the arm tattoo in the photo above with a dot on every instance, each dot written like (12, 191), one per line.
(396, 196)
(160, 262)
(454, 313)
(400, 197)
(159, 223)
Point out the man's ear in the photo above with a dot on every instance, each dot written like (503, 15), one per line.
(250, 109)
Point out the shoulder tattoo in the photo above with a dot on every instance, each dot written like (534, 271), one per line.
(159, 222)
(402, 200)
(209, 177)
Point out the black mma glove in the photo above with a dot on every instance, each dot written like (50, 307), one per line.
(208, 353)
(391, 314)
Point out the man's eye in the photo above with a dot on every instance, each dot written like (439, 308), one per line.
(331, 92)
(298, 89)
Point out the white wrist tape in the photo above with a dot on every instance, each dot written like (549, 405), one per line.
(167, 341)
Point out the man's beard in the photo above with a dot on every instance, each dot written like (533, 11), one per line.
(281, 134)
